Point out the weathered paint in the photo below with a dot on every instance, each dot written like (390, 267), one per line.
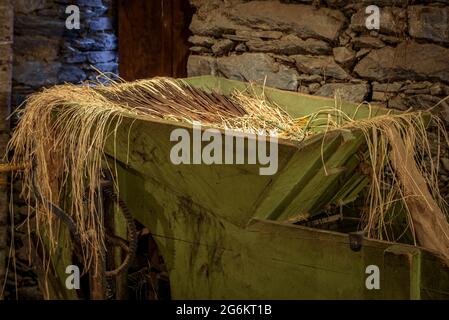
(221, 228)
(211, 258)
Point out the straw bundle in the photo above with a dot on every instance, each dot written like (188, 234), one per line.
(403, 174)
(68, 149)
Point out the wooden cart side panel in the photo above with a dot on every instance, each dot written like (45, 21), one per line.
(210, 258)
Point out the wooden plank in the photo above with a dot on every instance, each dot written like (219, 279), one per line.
(435, 278)
(301, 169)
(265, 260)
(145, 38)
(51, 269)
(402, 272)
(153, 38)
(207, 185)
(319, 190)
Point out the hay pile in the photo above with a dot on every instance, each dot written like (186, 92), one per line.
(68, 150)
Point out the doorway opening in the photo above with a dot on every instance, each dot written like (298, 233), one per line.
(153, 38)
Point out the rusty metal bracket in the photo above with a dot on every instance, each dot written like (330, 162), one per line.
(356, 240)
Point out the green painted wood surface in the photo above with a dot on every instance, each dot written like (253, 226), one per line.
(222, 228)
(238, 192)
(403, 274)
(301, 186)
(53, 277)
(211, 258)
(215, 224)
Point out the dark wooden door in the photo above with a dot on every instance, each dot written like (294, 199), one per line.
(153, 38)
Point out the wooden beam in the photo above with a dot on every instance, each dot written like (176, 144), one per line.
(153, 38)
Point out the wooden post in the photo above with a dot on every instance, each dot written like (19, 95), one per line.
(6, 37)
(402, 273)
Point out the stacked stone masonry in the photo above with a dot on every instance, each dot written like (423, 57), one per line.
(324, 47)
(48, 53)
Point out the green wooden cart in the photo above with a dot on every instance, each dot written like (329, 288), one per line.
(227, 232)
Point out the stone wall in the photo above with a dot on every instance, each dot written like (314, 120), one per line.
(47, 53)
(319, 47)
